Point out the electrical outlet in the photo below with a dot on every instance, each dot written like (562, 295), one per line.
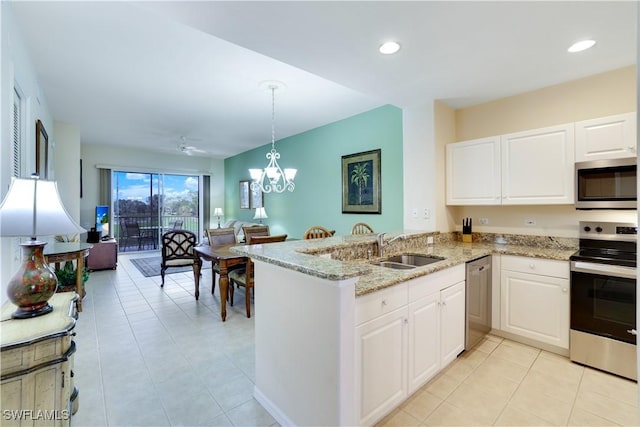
(484, 221)
(427, 213)
(530, 222)
(414, 213)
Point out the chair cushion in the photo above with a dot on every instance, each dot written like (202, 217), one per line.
(178, 262)
(239, 276)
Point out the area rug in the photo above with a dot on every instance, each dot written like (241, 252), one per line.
(150, 266)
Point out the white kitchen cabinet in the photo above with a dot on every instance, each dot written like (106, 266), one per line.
(611, 137)
(436, 323)
(424, 342)
(404, 336)
(381, 380)
(524, 168)
(535, 299)
(452, 314)
(473, 172)
(538, 166)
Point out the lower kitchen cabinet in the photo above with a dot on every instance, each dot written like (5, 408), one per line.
(436, 333)
(398, 351)
(382, 378)
(452, 314)
(535, 299)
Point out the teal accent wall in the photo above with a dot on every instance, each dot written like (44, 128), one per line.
(317, 154)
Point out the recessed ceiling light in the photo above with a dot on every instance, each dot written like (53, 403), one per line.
(389, 48)
(581, 45)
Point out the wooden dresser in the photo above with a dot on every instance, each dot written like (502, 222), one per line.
(36, 384)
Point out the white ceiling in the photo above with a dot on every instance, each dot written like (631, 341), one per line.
(143, 74)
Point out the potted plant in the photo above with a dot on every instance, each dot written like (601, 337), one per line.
(67, 277)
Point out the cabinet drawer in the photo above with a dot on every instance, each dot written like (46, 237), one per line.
(381, 302)
(544, 267)
(434, 282)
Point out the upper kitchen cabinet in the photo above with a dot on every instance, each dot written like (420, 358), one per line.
(473, 172)
(538, 166)
(611, 137)
(524, 168)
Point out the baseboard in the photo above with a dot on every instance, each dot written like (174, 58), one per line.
(272, 409)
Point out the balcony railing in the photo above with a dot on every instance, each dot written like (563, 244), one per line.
(151, 228)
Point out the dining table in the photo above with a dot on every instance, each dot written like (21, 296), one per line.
(226, 260)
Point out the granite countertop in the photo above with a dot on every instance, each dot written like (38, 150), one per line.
(313, 257)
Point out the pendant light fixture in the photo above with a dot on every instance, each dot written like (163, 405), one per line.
(273, 179)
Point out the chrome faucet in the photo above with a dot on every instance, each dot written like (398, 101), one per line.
(382, 244)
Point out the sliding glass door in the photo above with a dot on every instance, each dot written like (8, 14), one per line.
(147, 204)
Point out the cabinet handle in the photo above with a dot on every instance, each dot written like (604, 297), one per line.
(406, 321)
(384, 302)
(564, 290)
(632, 331)
(62, 379)
(632, 148)
(444, 303)
(532, 266)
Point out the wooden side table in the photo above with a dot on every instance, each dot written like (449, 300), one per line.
(58, 252)
(37, 365)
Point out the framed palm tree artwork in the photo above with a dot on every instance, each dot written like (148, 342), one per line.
(361, 183)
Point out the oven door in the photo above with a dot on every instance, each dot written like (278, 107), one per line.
(603, 300)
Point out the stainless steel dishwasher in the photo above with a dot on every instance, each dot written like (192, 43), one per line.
(478, 321)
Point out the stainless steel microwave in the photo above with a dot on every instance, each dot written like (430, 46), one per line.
(607, 184)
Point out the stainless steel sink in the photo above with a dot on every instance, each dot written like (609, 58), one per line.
(415, 260)
(407, 261)
(396, 265)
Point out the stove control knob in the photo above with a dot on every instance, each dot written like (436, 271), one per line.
(587, 228)
(599, 229)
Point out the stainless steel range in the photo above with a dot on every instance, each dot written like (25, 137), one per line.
(603, 298)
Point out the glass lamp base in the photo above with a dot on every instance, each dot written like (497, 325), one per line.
(33, 284)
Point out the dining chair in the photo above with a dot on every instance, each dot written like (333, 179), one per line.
(254, 230)
(318, 232)
(219, 237)
(257, 240)
(244, 276)
(177, 224)
(361, 228)
(177, 250)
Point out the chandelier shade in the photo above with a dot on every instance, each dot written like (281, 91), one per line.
(273, 179)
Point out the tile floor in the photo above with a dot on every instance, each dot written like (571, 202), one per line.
(149, 356)
(504, 383)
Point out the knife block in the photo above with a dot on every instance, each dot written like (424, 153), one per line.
(466, 238)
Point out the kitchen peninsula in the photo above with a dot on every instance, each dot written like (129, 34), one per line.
(316, 295)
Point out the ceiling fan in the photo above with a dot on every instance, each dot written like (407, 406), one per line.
(189, 150)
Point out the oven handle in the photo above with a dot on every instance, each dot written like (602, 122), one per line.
(603, 269)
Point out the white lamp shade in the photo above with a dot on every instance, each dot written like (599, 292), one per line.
(261, 213)
(32, 207)
(218, 212)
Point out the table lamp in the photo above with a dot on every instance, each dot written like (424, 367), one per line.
(32, 207)
(261, 214)
(218, 212)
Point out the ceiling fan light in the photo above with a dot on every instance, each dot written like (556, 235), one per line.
(389, 48)
(581, 45)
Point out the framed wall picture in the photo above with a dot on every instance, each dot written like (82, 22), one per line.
(244, 195)
(257, 199)
(361, 183)
(42, 151)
